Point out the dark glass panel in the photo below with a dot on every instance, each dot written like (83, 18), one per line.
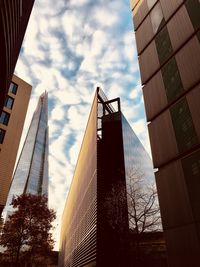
(191, 168)
(9, 102)
(193, 8)
(4, 118)
(2, 134)
(163, 45)
(172, 80)
(13, 88)
(183, 125)
(198, 35)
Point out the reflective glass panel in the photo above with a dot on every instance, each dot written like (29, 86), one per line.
(163, 45)
(193, 8)
(172, 80)
(191, 168)
(183, 125)
(9, 102)
(2, 134)
(4, 118)
(13, 88)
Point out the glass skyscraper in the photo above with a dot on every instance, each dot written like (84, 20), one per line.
(95, 225)
(31, 173)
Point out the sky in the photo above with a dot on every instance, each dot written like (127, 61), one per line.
(70, 48)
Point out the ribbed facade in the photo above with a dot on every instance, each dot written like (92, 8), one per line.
(31, 173)
(12, 120)
(94, 229)
(14, 16)
(168, 43)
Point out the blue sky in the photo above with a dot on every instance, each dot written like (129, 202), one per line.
(70, 48)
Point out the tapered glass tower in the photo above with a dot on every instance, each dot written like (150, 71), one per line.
(31, 173)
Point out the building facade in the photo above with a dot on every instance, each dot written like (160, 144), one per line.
(14, 17)
(31, 172)
(95, 225)
(11, 125)
(168, 43)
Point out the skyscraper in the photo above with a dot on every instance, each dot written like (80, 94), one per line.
(95, 230)
(11, 124)
(14, 16)
(31, 173)
(168, 44)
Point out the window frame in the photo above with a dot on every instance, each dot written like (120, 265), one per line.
(6, 101)
(6, 118)
(13, 85)
(2, 135)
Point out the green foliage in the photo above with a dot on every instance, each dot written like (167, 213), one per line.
(26, 233)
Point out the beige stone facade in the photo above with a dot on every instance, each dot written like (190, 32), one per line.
(11, 126)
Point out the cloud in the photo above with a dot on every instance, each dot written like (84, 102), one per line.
(70, 48)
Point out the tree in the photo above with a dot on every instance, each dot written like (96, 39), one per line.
(143, 207)
(26, 233)
(142, 203)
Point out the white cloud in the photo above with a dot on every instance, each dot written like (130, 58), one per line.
(71, 47)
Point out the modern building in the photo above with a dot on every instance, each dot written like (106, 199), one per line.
(14, 17)
(31, 172)
(168, 43)
(95, 225)
(11, 124)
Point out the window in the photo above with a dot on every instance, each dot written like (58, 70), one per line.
(191, 168)
(172, 80)
(157, 18)
(9, 102)
(193, 9)
(163, 45)
(4, 118)
(2, 134)
(183, 125)
(13, 88)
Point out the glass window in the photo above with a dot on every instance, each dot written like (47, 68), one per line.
(9, 102)
(2, 134)
(183, 125)
(13, 88)
(191, 168)
(193, 9)
(163, 45)
(172, 80)
(4, 118)
(157, 18)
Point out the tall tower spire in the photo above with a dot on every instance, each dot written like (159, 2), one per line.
(31, 173)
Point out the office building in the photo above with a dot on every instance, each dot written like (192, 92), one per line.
(168, 43)
(31, 172)
(14, 17)
(95, 225)
(11, 125)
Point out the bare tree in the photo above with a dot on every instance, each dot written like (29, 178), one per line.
(143, 207)
(138, 198)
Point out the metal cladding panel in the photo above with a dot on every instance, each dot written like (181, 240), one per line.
(9, 148)
(78, 232)
(169, 7)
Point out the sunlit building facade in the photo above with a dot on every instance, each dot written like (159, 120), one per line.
(14, 17)
(31, 172)
(12, 120)
(168, 43)
(95, 225)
